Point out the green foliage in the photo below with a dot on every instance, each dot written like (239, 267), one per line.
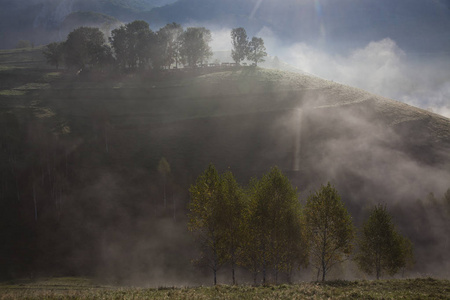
(205, 218)
(240, 44)
(330, 229)
(275, 232)
(257, 50)
(266, 232)
(195, 47)
(232, 208)
(381, 247)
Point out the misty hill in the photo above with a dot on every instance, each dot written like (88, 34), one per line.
(80, 157)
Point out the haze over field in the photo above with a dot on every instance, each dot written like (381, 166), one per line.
(80, 153)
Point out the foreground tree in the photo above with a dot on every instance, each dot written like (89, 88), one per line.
(381, 247)
(53, 53)
(276, 237)
(204, 219)
(239, 41)
(195, 47)
(256, 50)
(232, 208)
(330, 229)
(85, 46)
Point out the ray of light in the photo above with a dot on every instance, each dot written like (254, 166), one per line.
(255, 9)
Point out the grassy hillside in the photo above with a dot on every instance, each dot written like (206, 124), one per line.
(79, 158)
(69, 288)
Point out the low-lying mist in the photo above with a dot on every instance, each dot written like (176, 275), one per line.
(419, 79)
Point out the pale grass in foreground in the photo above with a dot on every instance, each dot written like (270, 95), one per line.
(76, 288)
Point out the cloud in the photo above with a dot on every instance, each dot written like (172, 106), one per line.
(381, 68)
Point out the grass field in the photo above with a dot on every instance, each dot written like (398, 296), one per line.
(79, 288)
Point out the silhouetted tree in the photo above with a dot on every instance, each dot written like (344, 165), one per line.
(53, 53)
(132, 44)
(381, 247)
(257, 50)
(85, 46)
(195, 47)
(23, 44)
(169, 44)
(240, 42)
(330, 229)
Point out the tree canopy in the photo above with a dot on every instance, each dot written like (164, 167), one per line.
(256, 50)
(132, 44)
(240, 44)
(205, 217)
(275, 218)
(53, 53)
(381, 247)
(135, 46)
(85, 46)
(195, 47)
(330, 229)
(261, 229)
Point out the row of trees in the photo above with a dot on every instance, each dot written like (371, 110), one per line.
(265, 229)
(135, 45)
(243, 48)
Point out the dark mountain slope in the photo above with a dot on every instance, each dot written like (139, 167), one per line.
(80, 159)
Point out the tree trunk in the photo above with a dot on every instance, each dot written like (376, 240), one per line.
(232, 273)
(35, 203)
(323, 272)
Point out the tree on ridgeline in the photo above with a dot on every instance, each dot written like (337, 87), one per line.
(169, 44)
(381, 247)
(240, 42)
(330, 229)
(195, 47)
(204, 219)
(276, 237)
(256, 50)
(21, 44)
(85, 46)
(132, 44)
(53, 53)
(119, 43)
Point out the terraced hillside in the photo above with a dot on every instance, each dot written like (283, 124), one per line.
(79, 161)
